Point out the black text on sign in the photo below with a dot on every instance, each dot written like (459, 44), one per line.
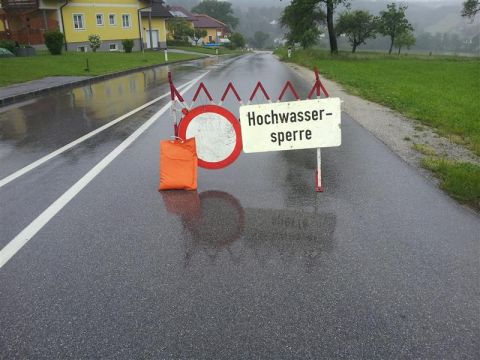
(291, 125)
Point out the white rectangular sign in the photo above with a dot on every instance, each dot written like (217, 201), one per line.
(291, 125)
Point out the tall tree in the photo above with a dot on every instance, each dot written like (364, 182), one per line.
(220, 10)
(331, 5)
(406, 39)
(470, 8)
(302, 18)
(358, 26)
(393, 22)
(313, 5)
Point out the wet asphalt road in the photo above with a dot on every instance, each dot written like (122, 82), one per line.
(253, 265)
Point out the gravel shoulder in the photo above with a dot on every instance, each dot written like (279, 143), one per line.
(398, 132)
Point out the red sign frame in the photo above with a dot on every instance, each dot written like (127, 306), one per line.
(193, 113)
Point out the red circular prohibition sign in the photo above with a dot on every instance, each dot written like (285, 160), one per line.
(192, 114)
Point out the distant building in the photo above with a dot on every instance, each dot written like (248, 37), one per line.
(217, 31)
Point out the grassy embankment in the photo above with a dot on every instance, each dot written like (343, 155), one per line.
(441, 92)
(210, 51)
(21, 69)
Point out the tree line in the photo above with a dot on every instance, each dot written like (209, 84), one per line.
(304, 19)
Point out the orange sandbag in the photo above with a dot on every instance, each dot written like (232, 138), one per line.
(178, 165)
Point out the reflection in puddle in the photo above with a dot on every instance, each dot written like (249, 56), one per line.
(216, 223)
(55, 119)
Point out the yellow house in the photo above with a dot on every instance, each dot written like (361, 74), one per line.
(154, 30)
(142, 21)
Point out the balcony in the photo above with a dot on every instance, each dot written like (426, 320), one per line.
(19, 5)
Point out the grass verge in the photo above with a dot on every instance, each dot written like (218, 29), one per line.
(425, 149)
(209, 51)
(441, 92)
(461, 180)
(21, 69)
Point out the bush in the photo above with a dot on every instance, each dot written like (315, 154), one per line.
(54, 42)
(177, 43)
(95, 41)
(7, 44)
(237, 41)
(127, 45)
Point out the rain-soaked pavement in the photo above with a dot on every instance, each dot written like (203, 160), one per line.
(254, 264)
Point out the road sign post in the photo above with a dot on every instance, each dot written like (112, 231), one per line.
(272, 126)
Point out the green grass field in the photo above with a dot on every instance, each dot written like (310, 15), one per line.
(21, 69)
(442, 92)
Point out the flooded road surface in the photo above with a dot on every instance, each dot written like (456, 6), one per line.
(31, 129)
(255, 264)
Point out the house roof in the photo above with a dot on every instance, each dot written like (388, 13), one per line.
(181, 12)
(158, 10)
(205, 21)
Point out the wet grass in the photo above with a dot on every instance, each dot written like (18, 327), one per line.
(460, 179)
(21, 69)
(425, 149)
(441, 92)
(209, 51)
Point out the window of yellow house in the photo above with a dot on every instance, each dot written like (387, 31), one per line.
(99, 19)
(126, 21)
(79, 21)
(112, 20)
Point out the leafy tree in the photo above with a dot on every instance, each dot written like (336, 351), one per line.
(94, 41)
(198, 34)
(358, 26)
(237, 40)
(259, 39)
(470, 8)
(393, 22)
(220, 10)
(404, 39)
(179, 29)
(302, 18)
(303, 11)
(54, 41)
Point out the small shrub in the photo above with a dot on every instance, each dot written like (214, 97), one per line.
(54, 42)
(127, 45)
(7, 44)
(94, 41)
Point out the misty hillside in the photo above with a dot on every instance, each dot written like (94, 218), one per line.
(438, 24)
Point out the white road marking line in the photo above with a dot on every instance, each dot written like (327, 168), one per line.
(57, 152)
(36, 225)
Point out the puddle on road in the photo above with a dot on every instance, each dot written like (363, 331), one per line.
(56, 119)
(216, 223)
